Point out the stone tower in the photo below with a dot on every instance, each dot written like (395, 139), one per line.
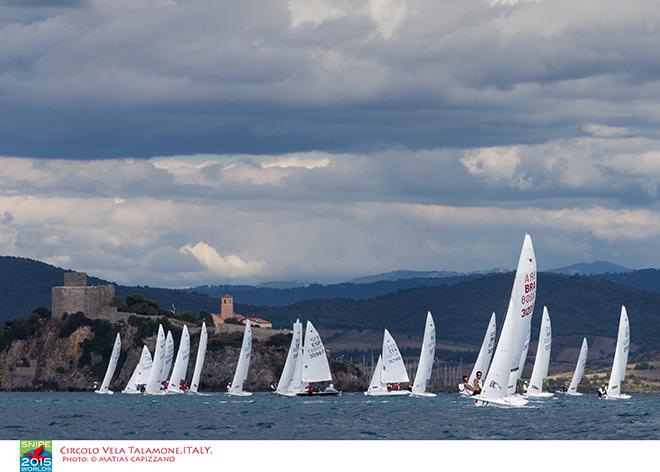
(75, 295)
(226, 306)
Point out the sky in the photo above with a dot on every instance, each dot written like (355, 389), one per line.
(178, 143)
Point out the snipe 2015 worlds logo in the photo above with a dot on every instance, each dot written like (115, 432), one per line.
(36, 455)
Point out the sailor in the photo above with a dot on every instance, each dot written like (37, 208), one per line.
(96, 385)
(229, 387)
(525, 386)
(477, 383)
(389, 387)
(602, 391)
(273, 386)
(464, 387)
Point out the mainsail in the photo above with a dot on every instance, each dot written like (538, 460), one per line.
(542, 360)
(517, 323)
(579, 368)
(425, 365)
(112, 365)
(180, 364)
(620, 357)
(486, 351)
(292, 356)
(315, 362)
(153, 384)
(394, 370)
(243, 362)
(141, 373)
(199, 362)
(167, 357)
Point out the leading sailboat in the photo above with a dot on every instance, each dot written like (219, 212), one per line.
(620, 359)
(425, 366)
(104, 389)
(390, 371)
(542, 360)
(517, 324)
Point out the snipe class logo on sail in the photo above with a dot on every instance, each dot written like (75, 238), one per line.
(36, 455)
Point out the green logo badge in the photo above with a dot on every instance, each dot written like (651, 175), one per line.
(36, 455)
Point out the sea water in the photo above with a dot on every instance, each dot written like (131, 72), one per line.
(350, 416)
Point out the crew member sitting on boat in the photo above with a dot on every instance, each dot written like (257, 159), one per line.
(477, 383)
(464, 387)
(602, 392)
(183, 385)
(229, 387)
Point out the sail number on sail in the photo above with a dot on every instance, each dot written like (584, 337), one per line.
(530, 294)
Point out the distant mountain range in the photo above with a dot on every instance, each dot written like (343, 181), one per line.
(591, 268)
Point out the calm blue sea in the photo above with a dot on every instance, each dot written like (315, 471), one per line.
(351, 416)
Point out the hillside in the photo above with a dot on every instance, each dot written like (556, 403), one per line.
(591, 268)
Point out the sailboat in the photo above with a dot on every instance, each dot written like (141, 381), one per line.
(486, 351)
(243, 364)
(579, 370)
(620, 359)
(168, 357)
(517, 324)
(104, 389)
(154, 382)
(542, 360)
(178, 376)
(140, 376)
(315, 366)
(426, 357)
(290, 364)
(390, 370)
(199, 361)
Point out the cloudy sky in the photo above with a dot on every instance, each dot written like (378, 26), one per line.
(174, 143)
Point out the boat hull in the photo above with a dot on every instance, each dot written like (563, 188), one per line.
(623, 396)
(423, 394)
(513, 401)
(109, 392)
(239, 394)
(539, 395)
(326, 393)
(393, 393)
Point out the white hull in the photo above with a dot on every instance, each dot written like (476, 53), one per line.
(393, 393)
(511, 401)
(423, 394)
(325, 393)
(623, 396)
(286, 394)
(136, 392)
(239, 394)
(576, 394)
(539, 395)
(108, 392)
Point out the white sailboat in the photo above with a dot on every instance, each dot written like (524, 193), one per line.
(199, 361)
(486, 351)
(104, 389)
(168, 357)
(542, 360)
(517, 373)
(620, 359)
(315, 366)
(180, 364)
(506, 360)
(243, 364)
(141, 373)
(579, 370)
(296, 385)
(290, 364)
(154, 382)
(390, 370)
(426, 357)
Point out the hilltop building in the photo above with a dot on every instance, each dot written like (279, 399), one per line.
(227, 312)
(75, 295)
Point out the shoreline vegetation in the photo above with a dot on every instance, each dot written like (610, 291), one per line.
(39, 353)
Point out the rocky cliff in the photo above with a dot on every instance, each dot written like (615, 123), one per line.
(40, 353)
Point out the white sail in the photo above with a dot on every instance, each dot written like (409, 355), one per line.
(141, 373)
(296, 386)
(376, 378)
(579, 368)
(112, 365)
(542, 360)
(199, 361)
(486, 351)
(168, 357)
(180, 364)
(394, 370)
(426, 356)
(315, 362)
(292, 356)
(516, 325)
(243, 362)
(153, 384)
(620, 357)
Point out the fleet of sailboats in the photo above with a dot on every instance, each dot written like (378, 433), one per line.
(307, 370)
